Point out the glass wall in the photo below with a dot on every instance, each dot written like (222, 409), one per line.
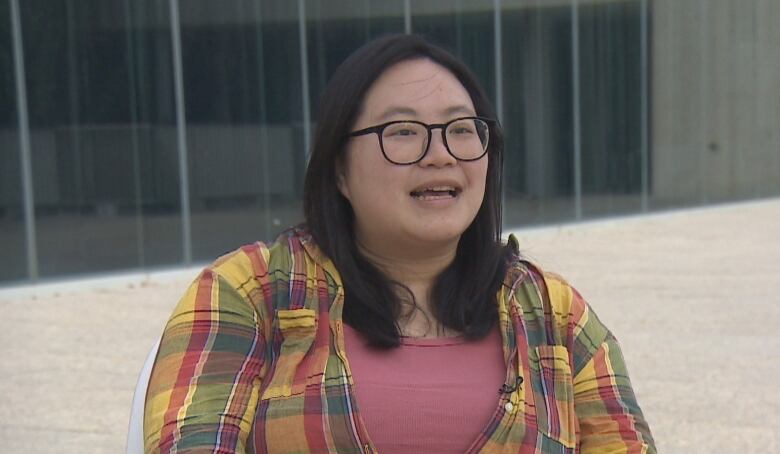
(244, 122)
(98, 78)
(609, 44)
(536, 53)
(167, 132)
(572, 115)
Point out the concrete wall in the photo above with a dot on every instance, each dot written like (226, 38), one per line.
(715, 99)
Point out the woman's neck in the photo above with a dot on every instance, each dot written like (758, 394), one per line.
(409, 266)
(416, 270)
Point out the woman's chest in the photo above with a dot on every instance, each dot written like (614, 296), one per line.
(309, 399)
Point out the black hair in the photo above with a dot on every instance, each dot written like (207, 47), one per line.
(463, 295)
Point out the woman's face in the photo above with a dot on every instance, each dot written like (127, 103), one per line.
(431, 202)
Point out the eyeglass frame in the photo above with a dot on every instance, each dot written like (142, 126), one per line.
(379, 129)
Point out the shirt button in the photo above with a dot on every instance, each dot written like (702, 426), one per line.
(508, 407)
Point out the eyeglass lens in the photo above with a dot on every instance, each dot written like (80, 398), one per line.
(406, 142)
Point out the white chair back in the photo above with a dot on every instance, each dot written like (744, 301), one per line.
(135, 431)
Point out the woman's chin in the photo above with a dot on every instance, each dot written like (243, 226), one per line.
(437, 235)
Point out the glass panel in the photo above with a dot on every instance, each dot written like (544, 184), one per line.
(242, 90)
(103, 148)
(610, 107)
(538, 123)
(13, 267)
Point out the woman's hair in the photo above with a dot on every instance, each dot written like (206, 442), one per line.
(463, 296)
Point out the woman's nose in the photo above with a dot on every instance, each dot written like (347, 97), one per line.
(437, 154)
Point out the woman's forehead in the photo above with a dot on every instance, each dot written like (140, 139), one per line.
(414, 88)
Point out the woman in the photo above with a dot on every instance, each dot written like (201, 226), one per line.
(394, 320)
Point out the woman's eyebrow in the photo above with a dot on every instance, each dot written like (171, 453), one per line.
(408, 111)
(393, 111)
(459, 109)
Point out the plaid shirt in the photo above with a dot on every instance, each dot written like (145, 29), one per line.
(252, 360)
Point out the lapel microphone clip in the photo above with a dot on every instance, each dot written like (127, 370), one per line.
(508, 389)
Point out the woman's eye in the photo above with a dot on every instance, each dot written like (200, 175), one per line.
(461, 130)
(402, 132)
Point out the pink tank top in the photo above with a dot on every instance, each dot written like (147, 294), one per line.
(428, 395)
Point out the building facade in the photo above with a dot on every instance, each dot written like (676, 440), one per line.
(138, 134)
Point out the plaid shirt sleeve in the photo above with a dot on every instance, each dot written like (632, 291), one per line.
(609, 417)
(205, 382)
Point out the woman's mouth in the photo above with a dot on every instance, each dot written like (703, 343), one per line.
(436, 193)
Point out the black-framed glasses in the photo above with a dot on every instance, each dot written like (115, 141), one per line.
(405, 142)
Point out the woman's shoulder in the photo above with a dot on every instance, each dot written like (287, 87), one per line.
(555, 313)
(551, 292)
(242, 263)
(260, 259)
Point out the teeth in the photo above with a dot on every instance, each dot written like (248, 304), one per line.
(436, 189)
(439, 191)
(441, 188)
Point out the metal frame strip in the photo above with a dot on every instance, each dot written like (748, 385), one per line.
(25, 158)
(181, 133)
